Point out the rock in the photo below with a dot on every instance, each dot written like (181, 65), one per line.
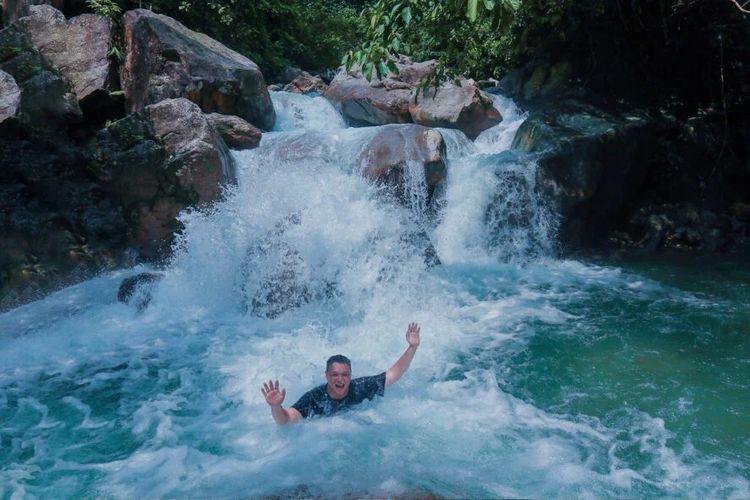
(78, 48)
(165, 60)
(591, 163)
(413, 73)
(13, 10)
(197, 154)
(158, 162)
(236, 132)
(10, 96)
(275, 276)
(384, 157)
(466, 108)
(275, 87)
(46, 104)
(138, 290)
(361, 104)
(305, 83)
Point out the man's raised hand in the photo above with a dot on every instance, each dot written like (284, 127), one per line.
(274, 396)
(412, 334)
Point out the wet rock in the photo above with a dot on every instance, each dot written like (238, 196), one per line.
(197, 154)
(466, 108)
(276, 277)
(591, 163)
(158, 162)
(10, 96)
(78, 48)
(138, 290)
(362, 104)
(165, 60)
(236, 132)
(384, 157)
(421, 241)
(305, 83)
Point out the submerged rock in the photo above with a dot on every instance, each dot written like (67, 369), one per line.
(164, 59)
(138, 290)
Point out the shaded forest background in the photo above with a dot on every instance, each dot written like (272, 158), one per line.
(687, 56)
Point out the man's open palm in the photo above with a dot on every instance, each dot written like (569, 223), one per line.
(274, 396)
(412, 334)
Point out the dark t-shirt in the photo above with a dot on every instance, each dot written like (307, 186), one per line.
(318, 402)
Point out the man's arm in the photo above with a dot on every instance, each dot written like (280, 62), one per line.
(399, 367)
(274, 398)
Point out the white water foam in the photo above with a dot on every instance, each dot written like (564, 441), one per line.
(178, 384)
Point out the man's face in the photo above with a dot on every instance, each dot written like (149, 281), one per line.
(338, 376)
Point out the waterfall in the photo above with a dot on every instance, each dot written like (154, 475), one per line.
(522, 386)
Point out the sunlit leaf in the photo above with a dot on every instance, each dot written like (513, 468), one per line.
(471, 10)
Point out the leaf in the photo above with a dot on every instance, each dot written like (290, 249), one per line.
(489, 4)
(382, 69)
(471, 10)
(368, 71)
(392, 66)
(406, 15)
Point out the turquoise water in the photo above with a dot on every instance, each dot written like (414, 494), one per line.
(536, 377)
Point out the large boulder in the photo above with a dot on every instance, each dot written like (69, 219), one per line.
(236, 132)
(164, 59)
(10, 96)
(590, 163)
(464, 107)
(363, 103)
(46, 103)
(384, 157)
(13, 10)
(158, 162)
(78, 48)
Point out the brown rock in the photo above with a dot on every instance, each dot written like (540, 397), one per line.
(306, 83)
(236, 132)
(10, 96)
(363, 104)
(46, 105)
(466, 108)
(78, 48)
(165, 60)
(197, 154)
(13, 10)
(382, 159)
(155, 163)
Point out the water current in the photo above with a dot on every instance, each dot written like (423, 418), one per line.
(537, 376)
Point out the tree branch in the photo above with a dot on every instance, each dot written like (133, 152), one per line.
(741, 6)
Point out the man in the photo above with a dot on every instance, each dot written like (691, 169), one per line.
(340, 391)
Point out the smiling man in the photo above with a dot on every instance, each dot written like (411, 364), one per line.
(340, 391)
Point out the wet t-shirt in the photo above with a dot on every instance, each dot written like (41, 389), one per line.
(317, 401)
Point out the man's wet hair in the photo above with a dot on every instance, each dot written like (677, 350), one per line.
(338, 358)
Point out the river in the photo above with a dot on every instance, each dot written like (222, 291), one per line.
(537, 376)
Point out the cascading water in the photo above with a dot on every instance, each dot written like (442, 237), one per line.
(523, 387)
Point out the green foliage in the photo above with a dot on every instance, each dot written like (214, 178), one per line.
(311, 34)
(448, 30)
(111, 9)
